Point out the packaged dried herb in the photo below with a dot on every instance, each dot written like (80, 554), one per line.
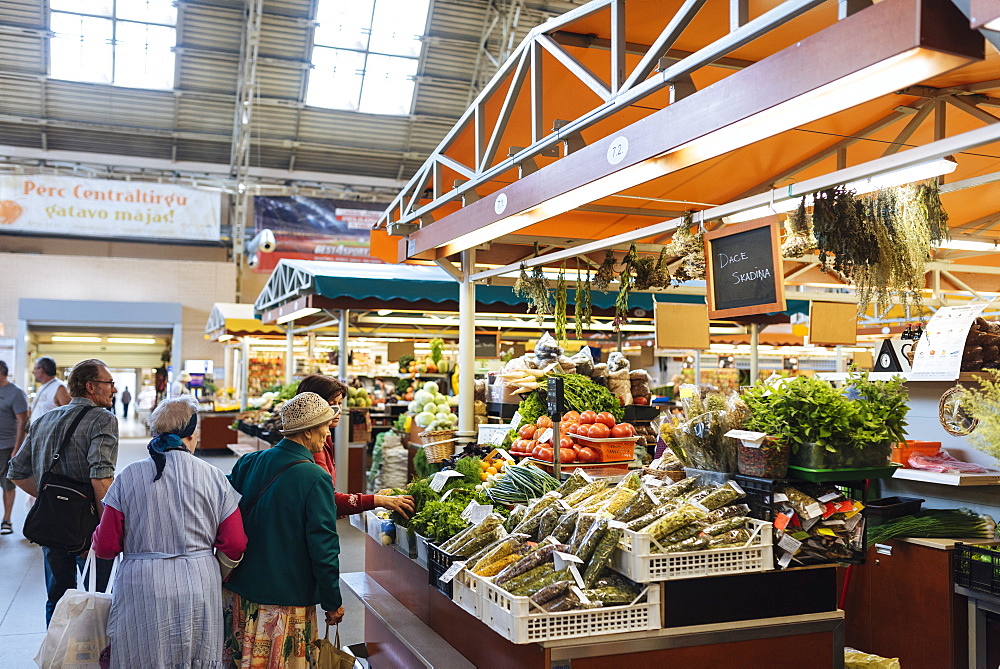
(498, 549)
(678, 488)
(735, 523)
(723, 495)
(618, 501)
(586, 547)
(563, 530)
(551, 591)
(648, 519)
(692, 530)
(513, 583)
(586, 492)
(534, 585)
(730, 511)
(730, 539)
(610, 595)
(641, 504)
(804, 505)
(566, 602)
(575, 481)
(529, 562)
(695, 543)
(674, 521)
(547, 522)
(601, 556)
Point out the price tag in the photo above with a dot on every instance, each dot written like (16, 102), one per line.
(617, 525)
(826, 532)
(749, 439)
(546, 436)
(813, 510)
(504, 454)
(829, 510)
(579, 594)
(476, 513)
(586, 477)
(845, 506)
(550, 540)
(439, 479)
(515, 421)
(809, 524)
(853, 521)
(780, 497)
(790, 544)
(781, 521)
(452, 572)
(829, 497)
(800, 536)
(564, 560)
(784, 560)
(833, 522)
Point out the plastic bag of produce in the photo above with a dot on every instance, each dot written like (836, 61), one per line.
(618, 362)
(547, 347)
(600, 371)
(584, 361)
(566, 365)
(480, 391)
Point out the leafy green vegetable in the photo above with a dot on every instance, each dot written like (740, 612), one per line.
(470, 467)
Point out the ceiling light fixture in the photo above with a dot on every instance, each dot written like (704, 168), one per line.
(131, 340)
(91, 340)
(787, 202)
(967, 245)
(298, 313)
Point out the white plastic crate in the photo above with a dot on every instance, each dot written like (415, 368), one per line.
(358, 520)
(634, 558)
(406, 542)
(516, 619)
(421, 550)
(377, 527)
(468, 593)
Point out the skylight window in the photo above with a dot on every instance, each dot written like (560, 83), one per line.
(366, 55)
(119, 42)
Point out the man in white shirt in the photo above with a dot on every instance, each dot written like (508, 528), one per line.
(51, 393)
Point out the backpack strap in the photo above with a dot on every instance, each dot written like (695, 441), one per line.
(68, 436)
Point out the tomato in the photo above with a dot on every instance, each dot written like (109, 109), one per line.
(529, 446)
(641, 400)
(571, 417)
(544, 421)
(587, 454)
(621, 431)
(606, 417)
(565, 442)
(588, 417)
(599, 431)
(544, 454)
(527, 431)
(567, 455)
(574, 428)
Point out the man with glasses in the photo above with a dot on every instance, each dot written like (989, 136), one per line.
(90, 453)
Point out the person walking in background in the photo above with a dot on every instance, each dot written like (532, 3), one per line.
(166, 513)
(347, 503)
(180, 385)
(126, 400)
(51, 392)
(292, 561)
(13, 420)
(91, 453)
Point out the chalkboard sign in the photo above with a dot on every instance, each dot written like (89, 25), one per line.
(743, 266)
(487, 344)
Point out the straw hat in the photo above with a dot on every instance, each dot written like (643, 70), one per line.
(303, 412)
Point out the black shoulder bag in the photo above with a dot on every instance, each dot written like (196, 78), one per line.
(65, 514)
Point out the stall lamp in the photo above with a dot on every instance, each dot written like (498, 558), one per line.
(131, 340)
(298, 313)
(92, 340)
(384, 312)
(967, 245)
(928, 170)
(225, 337)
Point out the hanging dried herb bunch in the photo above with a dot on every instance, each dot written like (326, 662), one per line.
(690, 248)
(582, 310)
(535, 290)
(841, 237)
(929, 202)
(606, 272)
(652, 272)
(625, 280)
(560, 312)
(799, 238)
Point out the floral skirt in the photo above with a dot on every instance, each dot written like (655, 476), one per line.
(267, 636)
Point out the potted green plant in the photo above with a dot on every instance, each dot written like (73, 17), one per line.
(829, 428)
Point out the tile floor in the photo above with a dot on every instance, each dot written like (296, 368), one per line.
(22, 587)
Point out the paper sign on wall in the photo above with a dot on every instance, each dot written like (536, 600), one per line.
(938, 355)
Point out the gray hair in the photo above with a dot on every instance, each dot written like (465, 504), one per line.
(172, 414)
(47, 364)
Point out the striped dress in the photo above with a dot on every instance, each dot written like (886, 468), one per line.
(167, 606)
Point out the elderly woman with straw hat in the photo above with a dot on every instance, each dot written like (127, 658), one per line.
(292, 558)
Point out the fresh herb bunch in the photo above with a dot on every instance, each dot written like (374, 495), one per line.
(935, 523)
(583, 308)
(581, 393)
(882, 408)
(983, 403)
(560, 311)
(606, 272)
(803, 410)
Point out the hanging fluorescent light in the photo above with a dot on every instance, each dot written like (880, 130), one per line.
(384, 312)
(298, 313)
(91, 340)
(928, 170)
(131, 340)
(967, 245)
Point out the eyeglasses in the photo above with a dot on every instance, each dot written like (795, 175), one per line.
(99, 381)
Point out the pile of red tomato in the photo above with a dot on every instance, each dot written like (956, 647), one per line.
(535, 440)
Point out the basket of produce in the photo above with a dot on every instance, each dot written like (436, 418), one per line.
(380, 528)
(543, 616)
(766, 458)
(421, 547)
(438, 445)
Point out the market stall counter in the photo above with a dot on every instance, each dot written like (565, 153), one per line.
(216, 434)
(777, 619)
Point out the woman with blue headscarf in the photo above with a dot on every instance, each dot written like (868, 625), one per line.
(171, 516)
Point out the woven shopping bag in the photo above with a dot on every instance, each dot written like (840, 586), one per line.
(78, 632)
(329, 655)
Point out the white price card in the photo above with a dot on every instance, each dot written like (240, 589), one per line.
(439, 479)
(853, 521)
(813, 510)
(779, 497)
(828, 497)
(546, 436)
(452, 572)
(576, 576)
(564, 560)
(784, 560)
(515, 420)
(746, 435)
(790, 544)
(476, 513)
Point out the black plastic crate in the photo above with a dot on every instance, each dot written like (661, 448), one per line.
(438, 563)
(879, 511)
(977, 568)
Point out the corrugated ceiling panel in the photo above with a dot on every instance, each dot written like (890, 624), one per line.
(22, 53)
(285, 38)
(269, 156)
(20, 135)
(278, 82)
(458, 18)
(212, 27)
(349, 129)
(273, 121)
(200, 73)
(450, 59)
(344, 162)
(299, 8)
(133, 144)
(99, 103)
(205, 115)
(203, 152)
(21, 96)
(24, 13)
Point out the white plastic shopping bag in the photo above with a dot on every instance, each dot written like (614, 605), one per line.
(78, 631)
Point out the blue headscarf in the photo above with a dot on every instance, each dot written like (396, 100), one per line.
(169, 441)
